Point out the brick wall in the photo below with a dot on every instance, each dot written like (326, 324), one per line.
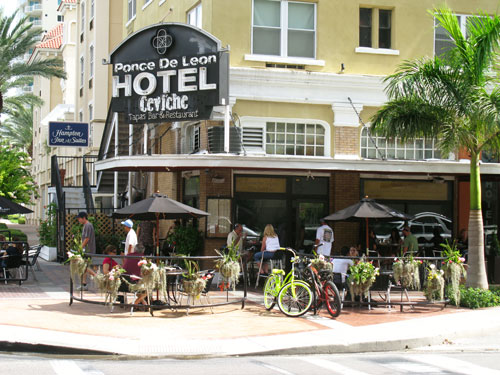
(346, 140)
(344, 191)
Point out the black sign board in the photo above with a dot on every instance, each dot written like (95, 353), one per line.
(169, 72)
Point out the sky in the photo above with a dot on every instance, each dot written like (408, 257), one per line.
(9, 6)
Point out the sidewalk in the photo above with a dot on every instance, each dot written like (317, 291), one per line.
(37, 317)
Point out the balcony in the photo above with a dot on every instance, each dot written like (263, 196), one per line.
(27, 89)
(31, 10)
(36, 23)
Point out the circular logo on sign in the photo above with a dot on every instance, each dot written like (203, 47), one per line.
(162, 41)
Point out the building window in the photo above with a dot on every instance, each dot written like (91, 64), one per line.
(366, 24)
(194, 16)
(131, 9)
(300, 139)
(384, 28)
(365, 27)
(82, 71)
(418, 149)
(60, 18)
(91, 61)
(80, 116)
(442, 41)
(82, 10)
(92, 8)
(91, 112)
(284, 28)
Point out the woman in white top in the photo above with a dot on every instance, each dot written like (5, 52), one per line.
(270, 243)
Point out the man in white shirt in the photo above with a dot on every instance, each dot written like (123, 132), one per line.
(235, 238)
(131, 240)
(324, 236)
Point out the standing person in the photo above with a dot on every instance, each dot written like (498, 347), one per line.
(270, 244)
(131, 240)
(88, 241)
(324, 236)
(88, 233)
(410, 242)
(146, 235)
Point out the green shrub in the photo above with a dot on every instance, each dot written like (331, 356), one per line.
(21, 220)
(186, 240)
(3, 226)
(475, 298)
(47, 230)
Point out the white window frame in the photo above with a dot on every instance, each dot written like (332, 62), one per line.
(146, 4)
(197, 13)
(91, 60)
(131, 15)
(284, 30)
(80, 115)
(82, 17)
(260, 122)
(409, 147)
(161, 2)
(463, 25)
(188, 139)
(92, 10)
(82, 71)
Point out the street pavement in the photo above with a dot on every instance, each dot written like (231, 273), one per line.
(36, 317)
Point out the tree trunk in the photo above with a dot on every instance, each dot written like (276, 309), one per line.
(476, 273)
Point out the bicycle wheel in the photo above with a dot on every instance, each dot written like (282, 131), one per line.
(295, 299)
(332, 299)
(270, 292)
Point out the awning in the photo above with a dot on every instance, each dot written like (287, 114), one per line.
(179, 162)
(58, 113)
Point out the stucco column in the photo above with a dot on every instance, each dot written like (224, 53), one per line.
(346, 130)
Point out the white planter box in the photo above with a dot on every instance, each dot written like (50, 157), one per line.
(48, 253)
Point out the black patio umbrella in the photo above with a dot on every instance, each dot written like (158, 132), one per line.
(7, 207)
(367, 209)
(158, 207)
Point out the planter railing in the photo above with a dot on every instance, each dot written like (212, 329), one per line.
(160, 305)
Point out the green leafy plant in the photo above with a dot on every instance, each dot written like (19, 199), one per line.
(361, 278)
(186, 240)
(453, 268)
(229, 265)
(192, 283)
(475, 298)
(406, 272)
(47, 231)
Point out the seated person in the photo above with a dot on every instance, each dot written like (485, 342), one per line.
(133, 273)
(11, 252)
(270, 244)
(341, 266)
(108, 263)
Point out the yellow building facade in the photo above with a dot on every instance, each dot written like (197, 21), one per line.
(305, 79)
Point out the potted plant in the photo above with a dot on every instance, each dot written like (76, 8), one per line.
(47, 232)
(229, 265)
(361, 278)
(434, 288)
(109, 283)
(192, 283)
(78, 261)
(186, 240)
(321, 264)
(406, 272)
(454, 270)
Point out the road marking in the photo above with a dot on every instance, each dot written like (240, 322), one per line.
(333, 366)
(455, 365)
(412, 367)
(66, 367)
(277, 369)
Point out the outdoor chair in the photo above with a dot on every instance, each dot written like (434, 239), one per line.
(32, 260)
(341, 286)
(13, 263)
(209, 274)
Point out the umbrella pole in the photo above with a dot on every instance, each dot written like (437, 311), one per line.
(157, 249)
(367, 239)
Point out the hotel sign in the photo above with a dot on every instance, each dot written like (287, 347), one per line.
(73, 134)
(169, 72)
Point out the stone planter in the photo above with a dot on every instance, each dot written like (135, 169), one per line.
(48, 253)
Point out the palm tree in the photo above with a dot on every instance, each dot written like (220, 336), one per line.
(454, 100)
(18, 128)
(16, 38)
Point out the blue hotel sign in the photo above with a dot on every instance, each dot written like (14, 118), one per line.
(73, 134)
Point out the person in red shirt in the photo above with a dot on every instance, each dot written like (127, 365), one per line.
(108, 263)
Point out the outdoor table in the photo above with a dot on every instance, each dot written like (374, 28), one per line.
(172, 275)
